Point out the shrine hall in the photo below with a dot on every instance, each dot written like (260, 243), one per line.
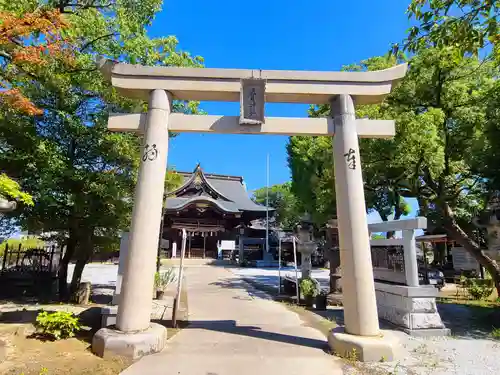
(217, 213)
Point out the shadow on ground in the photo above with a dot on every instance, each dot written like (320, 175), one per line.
(230, 326)
(469, 321)
(253, 291)
(464, 321)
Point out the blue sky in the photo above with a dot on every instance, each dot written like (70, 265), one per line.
(271, 34)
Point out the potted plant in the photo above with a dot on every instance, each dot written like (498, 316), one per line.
(309, 291)
(162, 281)
(321, 301)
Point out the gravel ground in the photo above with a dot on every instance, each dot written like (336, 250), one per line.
(469, 351)
(439, 356)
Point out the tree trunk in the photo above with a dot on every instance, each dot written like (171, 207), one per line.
(77, 276)
(62, 273)
(397, 214)
(333, 255)
(459, 235)
(85, 251)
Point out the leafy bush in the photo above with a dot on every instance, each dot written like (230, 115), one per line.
(308, 287)
(57, 325)
(479, 288)
(164, 279)
(495, 333)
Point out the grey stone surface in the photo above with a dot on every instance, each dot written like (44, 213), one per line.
(110, 342)
(431, 332)
(237, 330)
(408, 291)
(410, 309)
(365, 349)
(108, 316)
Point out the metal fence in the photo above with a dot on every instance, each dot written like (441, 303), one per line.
(36, 260)
(26, 271)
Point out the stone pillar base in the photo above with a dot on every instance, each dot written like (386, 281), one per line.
(411, 309)
(108, 316)
(111, 342)
(363, 348)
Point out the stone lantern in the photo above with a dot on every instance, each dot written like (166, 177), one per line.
(306, 245)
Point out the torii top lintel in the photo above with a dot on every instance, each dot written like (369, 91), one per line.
(282, 86)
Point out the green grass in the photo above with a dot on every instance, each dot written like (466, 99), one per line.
(469, 302)
(495, 333)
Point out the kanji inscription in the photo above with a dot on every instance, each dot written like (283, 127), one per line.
(350, 158)
(252, 101)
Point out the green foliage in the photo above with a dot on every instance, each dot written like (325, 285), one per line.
(173, 180)
(57, 325)
(466, 25)
(282, 199)
(495, 333)
(308, 287)
(25, 243)
(80, 175)
(11, 189)
(478, 289)
(311, 162)
(164, 279)
(445, 152)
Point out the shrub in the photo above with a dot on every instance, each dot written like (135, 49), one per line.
(495, 333)
(308, 287)
(164, 279)
(57, 325)
(479, 288)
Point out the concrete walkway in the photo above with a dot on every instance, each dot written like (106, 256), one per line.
(237, 330)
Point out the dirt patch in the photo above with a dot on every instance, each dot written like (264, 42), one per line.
(30, 356)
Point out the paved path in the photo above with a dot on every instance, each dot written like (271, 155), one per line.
(235, 329)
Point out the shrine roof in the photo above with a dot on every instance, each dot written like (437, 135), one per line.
(226, 192)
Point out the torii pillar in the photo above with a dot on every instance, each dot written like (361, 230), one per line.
(135, 335)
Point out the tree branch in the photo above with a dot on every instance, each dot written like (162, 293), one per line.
(88, 44)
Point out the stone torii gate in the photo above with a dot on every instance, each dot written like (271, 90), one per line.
(135, 335)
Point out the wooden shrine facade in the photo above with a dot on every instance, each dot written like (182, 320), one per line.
(212, 208)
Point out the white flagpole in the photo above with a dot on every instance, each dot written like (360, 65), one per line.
(267, 203)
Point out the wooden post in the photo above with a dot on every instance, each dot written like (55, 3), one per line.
(4, 263)
(189, 245)
(18, 255)
(158, 253)
(179, 281)
(53, 249)
(204, 243)
(296, 272)
(279, 266)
